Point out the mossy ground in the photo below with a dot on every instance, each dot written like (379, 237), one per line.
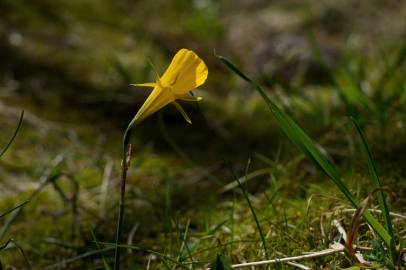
(174, 201)
(77, 104)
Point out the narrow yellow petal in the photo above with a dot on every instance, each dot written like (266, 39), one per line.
(152, 84)
(189, 98)
(186, 72)
(182, 112)
(153, 68)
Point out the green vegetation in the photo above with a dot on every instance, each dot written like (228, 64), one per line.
(303, 138)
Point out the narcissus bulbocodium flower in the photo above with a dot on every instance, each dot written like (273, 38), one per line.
(185, 73)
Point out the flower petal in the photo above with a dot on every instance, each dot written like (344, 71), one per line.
(189, 98)
(186, 72)
(152, 84)
(158, 98)
(182, 112)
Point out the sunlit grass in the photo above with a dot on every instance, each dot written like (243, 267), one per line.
(185, 209)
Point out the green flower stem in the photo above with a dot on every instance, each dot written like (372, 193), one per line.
(125, 164)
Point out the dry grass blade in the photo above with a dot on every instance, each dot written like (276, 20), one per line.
(337, 248)
(355, 223)
(242, 180)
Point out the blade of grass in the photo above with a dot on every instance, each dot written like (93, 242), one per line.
(141, 249)
(220, 263)
(378, 185)
(252, 175)
(27, 262)
(105, 263)
(63, 264)
(355, 224)
(50, 175)
(183, 246)
(14, 208)
(308, 147)
(244, 192)
(20, 121)
(12, 241)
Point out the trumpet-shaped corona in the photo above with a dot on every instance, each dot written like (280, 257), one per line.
(185, 73)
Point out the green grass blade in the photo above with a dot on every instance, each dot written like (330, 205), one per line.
(105, 263)
(308, 147)
(244, 192)
(143, 249)
(20, 121)
(378, 185)
(14, 208)
(220, 263)
(27, 262)
(63, 264)
(5, 245)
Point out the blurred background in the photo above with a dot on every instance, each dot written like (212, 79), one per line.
(69, 64)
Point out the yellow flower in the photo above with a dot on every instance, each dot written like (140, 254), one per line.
(186, 72)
